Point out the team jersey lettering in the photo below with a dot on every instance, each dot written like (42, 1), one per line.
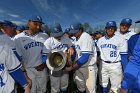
(61, 46)
(33, 44)
(1, 80)
(77, 47)
(109, 46)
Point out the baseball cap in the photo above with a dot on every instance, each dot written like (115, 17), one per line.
(8, 23)
(126, 21)
(20, 28)
(100, 32)
(67, 30)
(56, 30)
(74, 27)
(36, 19)
(111, 24)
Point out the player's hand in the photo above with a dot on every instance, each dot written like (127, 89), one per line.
(122, 91)
(67, 69)
(71, 51)
(40, 67)
(28, 79)
(27, 90)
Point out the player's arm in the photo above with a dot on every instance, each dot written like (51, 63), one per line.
(86, 48)
(123, 47)
(132, 69)
(14, 68)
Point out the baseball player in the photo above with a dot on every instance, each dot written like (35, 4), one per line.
(7, 36)
(84, 49)
(124, 28)
(131, 45)
(131, 72)
(29, 44)
(58, 42)
(113, 50)
(10, 68)
(125, 32)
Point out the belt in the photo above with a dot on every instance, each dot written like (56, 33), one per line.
(111, 61)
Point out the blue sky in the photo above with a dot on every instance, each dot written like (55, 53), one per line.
(95, 12)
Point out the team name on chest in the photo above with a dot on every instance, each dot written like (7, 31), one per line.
(60, 46)
(109, 46)
(1, 67)
(33, 44)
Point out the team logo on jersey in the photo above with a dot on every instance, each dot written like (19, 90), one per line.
(77, 47)
(109, 46)
(33, 44)
(1, 80)
(1, 67)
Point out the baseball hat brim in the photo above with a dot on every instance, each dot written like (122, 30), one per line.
(56, 34)
(73, 31)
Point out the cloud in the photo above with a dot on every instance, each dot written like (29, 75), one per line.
(2, 11)
(18, 22)
(76, 16)
(13, 15)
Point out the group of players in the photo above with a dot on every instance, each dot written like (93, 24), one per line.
(23, 57)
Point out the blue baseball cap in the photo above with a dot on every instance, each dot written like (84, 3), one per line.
(8, 23)
(126, 21)
(74, 28)
(111, 24)
(21, 28)
(56, 30)
(67, 30)
(100, 32)
(36, 19)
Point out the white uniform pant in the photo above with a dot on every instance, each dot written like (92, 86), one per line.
(91, 80)
(58, 83)
(39, 80)
(80, 78)
(112, 71)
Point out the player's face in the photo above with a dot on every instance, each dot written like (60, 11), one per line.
(35, 26)
(124, 28)
(110, 31)
(10, 31)
(98, 36)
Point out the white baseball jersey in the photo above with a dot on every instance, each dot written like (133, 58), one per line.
(110, 48)
(7, 40)
(30, 47)
(8, 63)
(53, 44)
(84, 45)
(126, 35)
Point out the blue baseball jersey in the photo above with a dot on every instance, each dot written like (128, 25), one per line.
(132, 42)
(132, 69)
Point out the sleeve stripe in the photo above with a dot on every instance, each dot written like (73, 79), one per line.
(12, 70)
(123, 52)
(90, 52)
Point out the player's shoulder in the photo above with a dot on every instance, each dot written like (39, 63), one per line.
(4, 49)
(22, 34)
(132, 33)
(101, 39)
(48, 40)
(44, 35)
(85, 36)
(117, 37)
(134, 36)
